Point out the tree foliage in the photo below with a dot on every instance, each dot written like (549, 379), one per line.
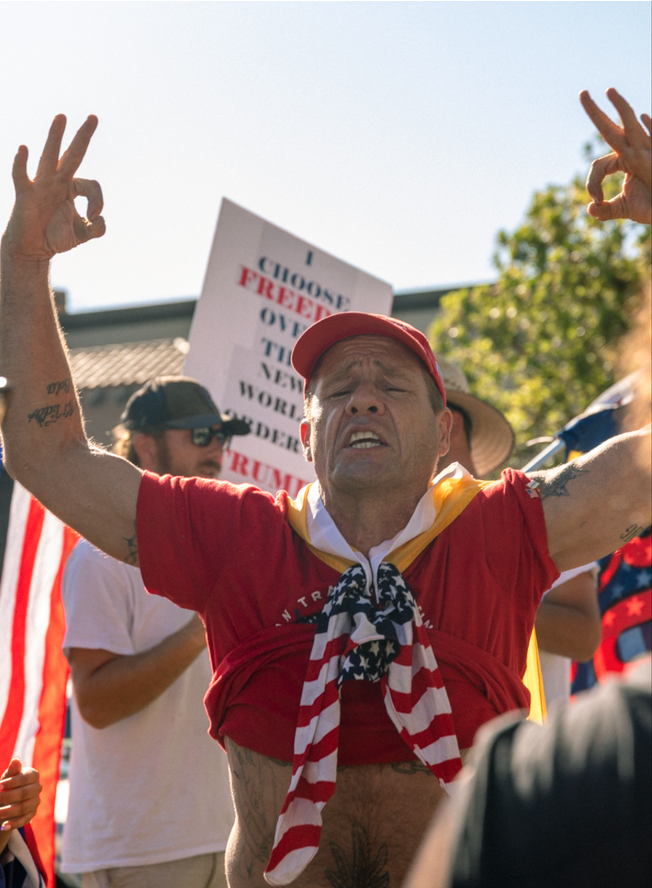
(540, 343)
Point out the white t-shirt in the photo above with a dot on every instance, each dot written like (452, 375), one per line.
(555, 669)
(152, 787)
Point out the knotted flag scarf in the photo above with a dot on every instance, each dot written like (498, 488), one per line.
(357, 639)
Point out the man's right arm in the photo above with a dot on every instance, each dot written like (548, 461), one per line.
(44, 443)
(110, 687)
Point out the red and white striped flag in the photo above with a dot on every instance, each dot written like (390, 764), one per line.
(356, 639)
(33, 670)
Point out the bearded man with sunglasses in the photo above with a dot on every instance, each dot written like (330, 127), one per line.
(140, 669)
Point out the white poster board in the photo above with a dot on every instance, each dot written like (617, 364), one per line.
(263, 288)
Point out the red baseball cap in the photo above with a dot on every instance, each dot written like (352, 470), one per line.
(319, 337)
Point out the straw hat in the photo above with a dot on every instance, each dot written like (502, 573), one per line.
(492, 438)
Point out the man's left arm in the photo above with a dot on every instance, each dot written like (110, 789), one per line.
(600, 501)
(596, 503)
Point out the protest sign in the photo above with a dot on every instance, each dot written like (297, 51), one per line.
(263, 288)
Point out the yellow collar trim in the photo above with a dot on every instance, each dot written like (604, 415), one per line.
(451, 496)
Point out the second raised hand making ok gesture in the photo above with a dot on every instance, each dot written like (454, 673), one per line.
(44, 220)
(631, 155)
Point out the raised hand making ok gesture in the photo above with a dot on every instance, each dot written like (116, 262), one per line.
(44, 220)
(631, 155)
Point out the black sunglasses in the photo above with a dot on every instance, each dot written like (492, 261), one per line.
(203, 437)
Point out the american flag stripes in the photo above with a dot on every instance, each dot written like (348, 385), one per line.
(357, 640)
(33, 670)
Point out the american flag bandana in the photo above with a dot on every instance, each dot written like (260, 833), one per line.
(356, 639)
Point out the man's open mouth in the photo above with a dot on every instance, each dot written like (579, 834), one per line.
(364, 440)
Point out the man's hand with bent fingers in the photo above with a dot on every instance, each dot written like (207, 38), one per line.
(632, 156)
(44, 220)
(20, 792)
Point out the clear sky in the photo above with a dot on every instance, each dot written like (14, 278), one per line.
(399, 136)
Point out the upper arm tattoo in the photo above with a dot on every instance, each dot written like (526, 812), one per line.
(63, 385)
(549, 484)
(132, 547)
(51, 413)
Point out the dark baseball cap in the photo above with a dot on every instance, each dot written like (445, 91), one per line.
(177, 402)
(320, 336)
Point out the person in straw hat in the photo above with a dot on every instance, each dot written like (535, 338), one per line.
(481, 438)
(568, 621)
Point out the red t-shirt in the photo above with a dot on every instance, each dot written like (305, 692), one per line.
(229, 553)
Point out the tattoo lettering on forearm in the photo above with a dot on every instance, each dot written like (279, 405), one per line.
(364, 866)
(132, 546)
(557, 485)
(55, 388)
(46, 416)
(632, 531)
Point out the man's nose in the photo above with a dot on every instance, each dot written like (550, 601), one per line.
(365, 399)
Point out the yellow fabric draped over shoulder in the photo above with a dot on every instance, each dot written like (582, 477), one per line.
(451, 497)
(533, 681)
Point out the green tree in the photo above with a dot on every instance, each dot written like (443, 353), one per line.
(540, 343)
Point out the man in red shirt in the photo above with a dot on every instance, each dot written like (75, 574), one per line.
(284, 587)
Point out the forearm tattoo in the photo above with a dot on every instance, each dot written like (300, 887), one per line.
(549, 485)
